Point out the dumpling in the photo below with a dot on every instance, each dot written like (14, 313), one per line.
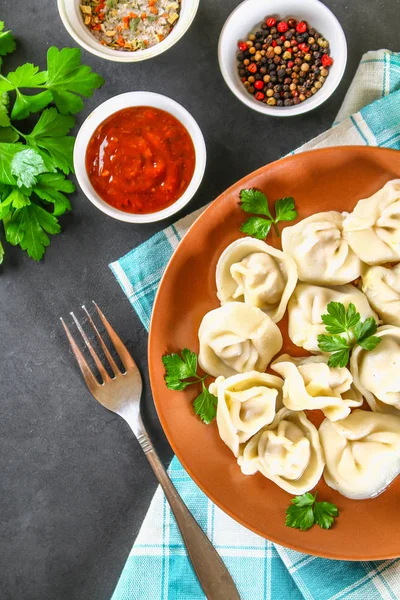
(311, 384)
(237, 338)
(321, 250)
(376, 372)
(381, 285)
(373, 228)
(246, 403)
(288, 452)
(250, 271)
(309, 302)
(362, 453)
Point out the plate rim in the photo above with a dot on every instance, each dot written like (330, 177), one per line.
(324, 553)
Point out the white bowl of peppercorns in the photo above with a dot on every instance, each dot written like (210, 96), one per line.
(282, 58)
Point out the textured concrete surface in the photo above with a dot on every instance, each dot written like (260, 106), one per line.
(74, 485)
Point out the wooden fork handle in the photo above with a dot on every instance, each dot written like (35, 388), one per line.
(213, 575)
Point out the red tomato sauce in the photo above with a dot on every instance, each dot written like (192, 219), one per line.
(140, 160)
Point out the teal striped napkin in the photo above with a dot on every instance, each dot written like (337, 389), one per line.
(158, 567)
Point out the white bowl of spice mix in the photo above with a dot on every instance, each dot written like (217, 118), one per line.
(127, 30)
(282, 58)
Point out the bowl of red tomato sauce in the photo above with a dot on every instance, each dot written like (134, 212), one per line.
(139, 157)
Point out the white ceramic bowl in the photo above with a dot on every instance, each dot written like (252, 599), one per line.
(110, 107)
(71, 17)
(247, 18)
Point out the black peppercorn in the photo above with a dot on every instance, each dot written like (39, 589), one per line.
(308, 85)
(264, 60)
(286, 94)
(314, 47)
(316, 35)
(242, 73)
(259, 34)
(264, 26)
(300, 39)
(276, 96)
(278, 87)
(288, 102)
(274, 30)
(240, 56)
(281, 73)
(270, 85)
(288, 35)
(257, 46)
(312, 31)
(286, 87)
(246, 54)
(263, 70)
(296, 100)
(258, 76)
(279, 102)
(301, 80)
(279, 42)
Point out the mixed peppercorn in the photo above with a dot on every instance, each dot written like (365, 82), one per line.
(284, 62)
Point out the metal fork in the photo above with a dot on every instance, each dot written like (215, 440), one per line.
(121, 394)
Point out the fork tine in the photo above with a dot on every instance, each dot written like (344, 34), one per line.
(88, 376)
(119, 346)
(106, 351)
(92, 351)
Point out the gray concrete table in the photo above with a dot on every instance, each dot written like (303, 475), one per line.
(74, 484)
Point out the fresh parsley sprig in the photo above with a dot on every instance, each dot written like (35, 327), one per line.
(254, 201)
(180, 372)
(304, 511)
(33, 165)
(347, 321)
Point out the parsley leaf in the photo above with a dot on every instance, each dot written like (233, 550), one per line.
(331, 343)
(26, 165)
(66, 78)
(50, 135)
(369, 343)
(180, 368)
(180, 372)
(25, 105)
(205, 405)
(257, 227)
(26, 76)
(7, 41)
(49, 188)
(325, 514)
(1, 253)
(29, 227)
(255, 201)
(304, 511)
(284, 209)
(348, 321)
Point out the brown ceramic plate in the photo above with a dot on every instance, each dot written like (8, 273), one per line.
(332, 178)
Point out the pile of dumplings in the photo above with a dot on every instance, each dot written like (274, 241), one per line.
(260, 416)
